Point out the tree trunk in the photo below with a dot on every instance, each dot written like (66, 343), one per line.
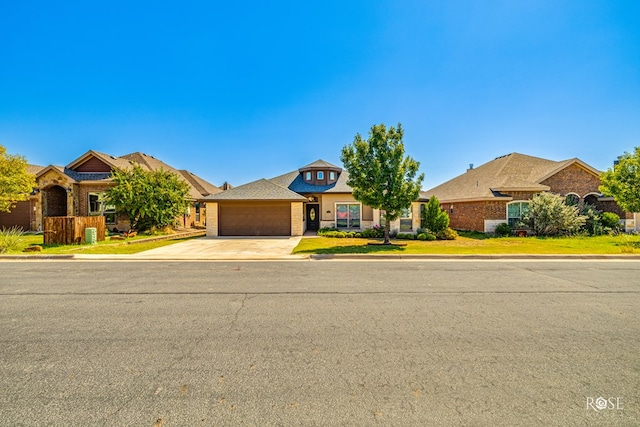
(386, 231)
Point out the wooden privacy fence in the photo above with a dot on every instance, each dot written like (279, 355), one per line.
(66, 230)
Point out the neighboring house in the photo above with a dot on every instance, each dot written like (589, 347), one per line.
(78, 189)
(314, 196)
(499, 191)
(23, 215)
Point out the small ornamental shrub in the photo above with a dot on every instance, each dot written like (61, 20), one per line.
(610, 220)
(432, 216)
(430, 237)
(341, 234)
(10, 239)
(422, 236)
(447, 234)
(503, 230)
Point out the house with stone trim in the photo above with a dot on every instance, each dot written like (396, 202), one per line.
(305, 199)
(78, 188)
(499, 191)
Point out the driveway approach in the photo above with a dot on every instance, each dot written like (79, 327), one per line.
(227, 248)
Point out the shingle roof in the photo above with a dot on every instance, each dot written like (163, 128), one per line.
(257, 190)
(34, 169)
(320, 164)
(513, 172)
(293, 180)
(198, 187)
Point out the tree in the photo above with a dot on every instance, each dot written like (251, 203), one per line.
(149, 198)
(623, 181)
(433, 217)
(380, 174)
(16, 183)
(549, 215)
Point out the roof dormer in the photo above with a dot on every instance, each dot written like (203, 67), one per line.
(320, 173)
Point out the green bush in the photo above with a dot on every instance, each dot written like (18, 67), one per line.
(447, 234)
(432, 217)
(324, 230)
(430, 237)
(610, 220)
(341, 234)
(373, 233)
(503, 230)
(11, 239)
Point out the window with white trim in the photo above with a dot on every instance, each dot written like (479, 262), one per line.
(320, 175)
(516, 213)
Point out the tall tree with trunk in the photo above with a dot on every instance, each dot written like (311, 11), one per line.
(16, 183)
(380, 174)
(623, 181)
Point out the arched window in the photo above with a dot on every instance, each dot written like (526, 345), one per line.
(572, 199)
(591, 199)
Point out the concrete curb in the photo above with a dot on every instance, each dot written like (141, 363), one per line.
(444, 257)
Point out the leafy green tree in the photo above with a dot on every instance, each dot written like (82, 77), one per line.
(380, 174)
(432, 217)
(16, 183)
(549, 215)
(149, 198)
(623, 181)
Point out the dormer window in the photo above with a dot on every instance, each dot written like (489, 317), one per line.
(307, 176)
(332, 176)
(320, 175)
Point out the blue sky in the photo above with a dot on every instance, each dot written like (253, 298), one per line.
(237, 91)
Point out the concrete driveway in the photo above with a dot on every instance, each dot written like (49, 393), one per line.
(226, 248)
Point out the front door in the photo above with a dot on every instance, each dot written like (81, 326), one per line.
(313, 217)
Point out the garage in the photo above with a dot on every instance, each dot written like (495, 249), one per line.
(20, 216)
(254, 218)
(260, 208)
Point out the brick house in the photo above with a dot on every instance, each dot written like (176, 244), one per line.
(311, 197)
(22, 215)
(499, 190)
(77, 190)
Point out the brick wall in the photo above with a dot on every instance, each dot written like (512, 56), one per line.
(471, 215)
(573, 179)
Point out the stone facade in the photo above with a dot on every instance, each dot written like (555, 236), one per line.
(297, 226)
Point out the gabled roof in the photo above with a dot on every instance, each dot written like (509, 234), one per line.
(34, 169)
(320, 164)
(513, 172)
(114, 162)
(261, 189)
(198, 187)
(204, 188)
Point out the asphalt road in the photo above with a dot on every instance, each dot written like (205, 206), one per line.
(320, 343)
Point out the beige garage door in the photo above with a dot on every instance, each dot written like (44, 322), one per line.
(254, 219)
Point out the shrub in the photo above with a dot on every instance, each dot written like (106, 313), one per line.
(610, 220)
(426, 236)
(549, 215)
(376, 232)
(433, 217)
(503, 230)
(341, 234)
(446, 234)
(10, 239)
(324, 230)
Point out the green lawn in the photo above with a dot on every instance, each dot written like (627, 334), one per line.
(477, 243)
(106, 247)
